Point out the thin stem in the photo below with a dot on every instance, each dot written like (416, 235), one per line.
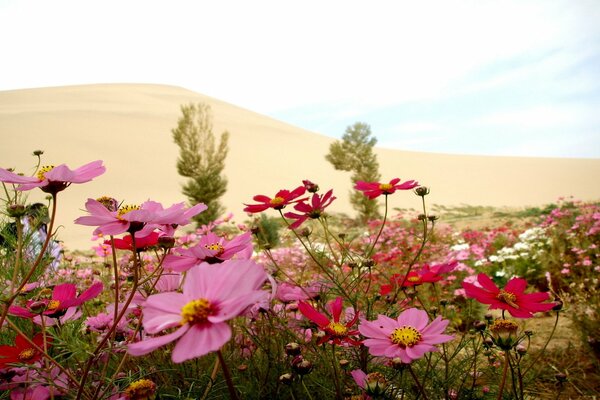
(306, 389)
(232, 392)
(414, 376)
(37, 261)
(504, 373)
(370, 252)
(338, 390)
(541, 352)
(213, 376)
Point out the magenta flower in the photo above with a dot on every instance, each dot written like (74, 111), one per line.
(408, 336)
(54, 179)
(512, 298)
(314, 210)
(376, 189)
(64, 296)
(211, 249)
(287, 292)
(335, 331)
(211, 296)
(281, 199)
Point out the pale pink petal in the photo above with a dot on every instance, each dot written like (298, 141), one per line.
(11, 177)
(359, 377)
(149, 345)
(373, 330)
(200, 340)
(234, 306)
(413, 317)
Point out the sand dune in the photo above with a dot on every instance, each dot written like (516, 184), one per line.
(129, 127)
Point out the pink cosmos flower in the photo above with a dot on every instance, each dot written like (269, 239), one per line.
(167, 219)
(287, 292)
(376, 189)
(512, 298)
(314, 210)
(211, 295)
(281, 199)
(54, 179)
(113, 222)
(408, 336)
(211, 249)
(141, 243)
(334, 330)
(63, 297)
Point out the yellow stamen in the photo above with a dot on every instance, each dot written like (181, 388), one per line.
(413, 278)
(26, 354)
(41, 175)
(508, 298)
(385, 187)
(141, 389)
(277, 201)
(407, 336)
(52, 305)
(196, 311)
(218, 247)
(126, 208)
(337, 329)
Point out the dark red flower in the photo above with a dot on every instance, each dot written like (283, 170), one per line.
(281, 199)
(22, 352)
(314, 210)
(512, 298)
(376, 189)
(334, 330)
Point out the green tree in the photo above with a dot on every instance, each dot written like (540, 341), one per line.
(355, 153)
(201, 160)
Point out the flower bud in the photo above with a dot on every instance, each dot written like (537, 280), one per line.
(398, 364)
(344, 364)
(310, 186)
(422, 191)
(242, 367)
(479, 326)
(522, 350)
(558, 305)
(504, 333)
(293, 349)
(375, 384)
(15, 210)
(142, 389)
(38, 153)
(432, 218)
(302, 366)
(422, 217)
(286, 379)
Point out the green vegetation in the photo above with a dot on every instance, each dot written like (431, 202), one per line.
(201, 160)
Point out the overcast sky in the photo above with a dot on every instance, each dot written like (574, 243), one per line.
(469, 77)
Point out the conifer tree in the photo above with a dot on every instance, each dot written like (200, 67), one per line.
(201, 160)
(355, 153)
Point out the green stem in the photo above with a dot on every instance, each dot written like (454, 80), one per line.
(370, 252)
(541, 352)
(232, 392)
(414, 376)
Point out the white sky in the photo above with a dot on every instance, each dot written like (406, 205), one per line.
(481, 77)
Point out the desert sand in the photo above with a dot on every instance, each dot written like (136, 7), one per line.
(129, 127)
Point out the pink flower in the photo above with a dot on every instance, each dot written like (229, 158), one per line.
(167, 219)
(281, 199)
(211, 249)
(126, 219)
(54, 179)
(141, 243)
(512, 298)
(314, 210)
(376, 189)
(63, 297)
(211, 295)
(408, 337)
(334, 330)
(287, 292)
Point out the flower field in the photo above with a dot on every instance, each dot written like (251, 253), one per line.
(296, 301)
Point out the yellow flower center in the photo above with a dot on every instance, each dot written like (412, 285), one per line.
(337, 329)
(277, 201)
(126, 208)
(385, 187)
(413, 278)
(52, 305)
(41, 175)
(504, 328)
(218, 247)
(140, 389)
(196, 311)
(508, 298)
(26, 354)
(407, 336)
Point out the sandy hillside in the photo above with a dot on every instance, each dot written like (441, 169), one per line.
(129, 127)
